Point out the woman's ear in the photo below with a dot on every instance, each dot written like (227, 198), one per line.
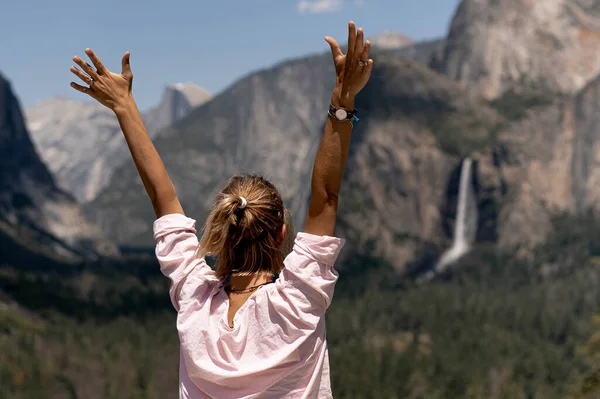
(288, 234)
(282, 234)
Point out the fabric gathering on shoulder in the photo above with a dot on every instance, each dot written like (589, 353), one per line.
(310, 268)
(176, 243)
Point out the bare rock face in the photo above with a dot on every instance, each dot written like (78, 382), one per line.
(177, 101)
(397, 182)
(538, 61)
(494, 46)
(35, 215)
(81, 141)
(549, 163)
(389, 40)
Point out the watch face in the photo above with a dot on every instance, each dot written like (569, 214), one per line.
(341, 114)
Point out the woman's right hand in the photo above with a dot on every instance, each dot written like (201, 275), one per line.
(109, 89)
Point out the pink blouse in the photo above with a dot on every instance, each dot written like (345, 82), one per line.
(277, 347)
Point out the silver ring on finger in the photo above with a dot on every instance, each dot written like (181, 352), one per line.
(362, 63)
(91, 82)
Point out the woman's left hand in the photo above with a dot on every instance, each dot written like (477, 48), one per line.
(353, 69)
(108, 88)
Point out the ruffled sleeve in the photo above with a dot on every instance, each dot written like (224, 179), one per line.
(308, 277)
(176, 244)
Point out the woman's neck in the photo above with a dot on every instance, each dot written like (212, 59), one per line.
(240, 281)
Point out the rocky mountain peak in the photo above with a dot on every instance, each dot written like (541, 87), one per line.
(495, 46)
(176, 102)
(193, 93)
(390, 40)
(81, 141)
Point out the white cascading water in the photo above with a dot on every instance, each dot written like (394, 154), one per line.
(466, 220)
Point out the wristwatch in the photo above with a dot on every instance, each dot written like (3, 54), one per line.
(342, 115)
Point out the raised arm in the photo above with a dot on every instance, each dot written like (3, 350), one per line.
(114, 91)
(353, 71)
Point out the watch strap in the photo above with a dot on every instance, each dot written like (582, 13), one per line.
(351, 115)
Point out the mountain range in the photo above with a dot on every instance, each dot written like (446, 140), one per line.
(421, 114)
(81, 141)
(38, 220)
(275, 131)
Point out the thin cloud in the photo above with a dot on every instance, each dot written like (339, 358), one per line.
(318, 6)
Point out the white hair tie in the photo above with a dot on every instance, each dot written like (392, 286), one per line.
(244, 203)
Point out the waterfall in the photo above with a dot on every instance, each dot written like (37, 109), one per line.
(465, 226)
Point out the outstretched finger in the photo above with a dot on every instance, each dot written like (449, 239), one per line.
(96, 61)
(365, 53)
(125, 65)
(81, 88)
(86, 67)
(368, 68)
(336, 51)
(359, 44)
(351, 37)
(85, 78)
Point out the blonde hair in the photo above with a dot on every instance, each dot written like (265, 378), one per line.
(246, 239)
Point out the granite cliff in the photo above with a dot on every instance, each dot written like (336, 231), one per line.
(81, 141)
(495, 46)
(38, 220)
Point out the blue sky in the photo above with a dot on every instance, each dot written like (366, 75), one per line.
(210, 43)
